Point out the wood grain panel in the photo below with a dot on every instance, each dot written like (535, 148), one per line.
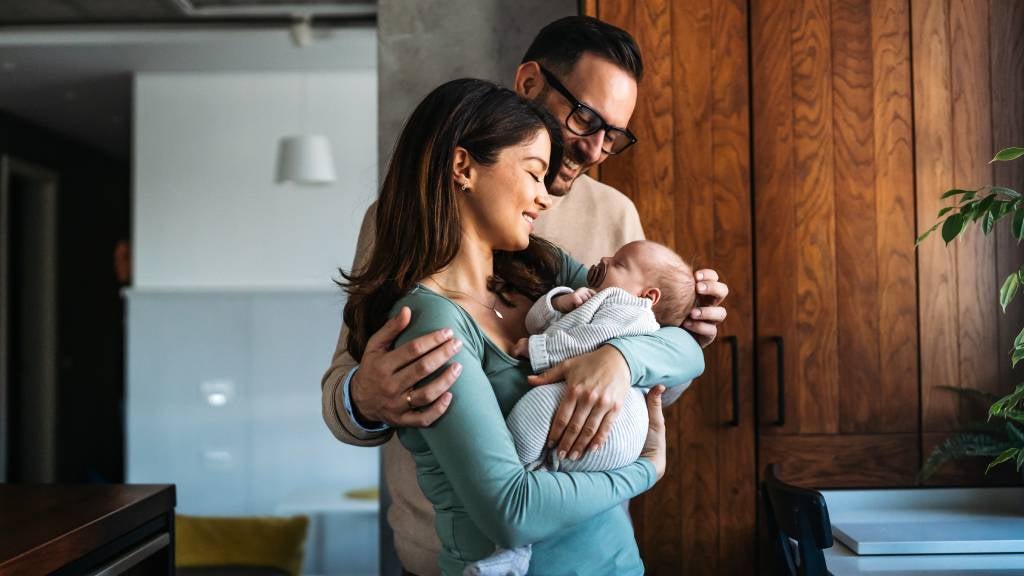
(774, 185)
(647, 175)
(933, 140)
(733, 259)
(844, 461)
(1007, 79)
(620, 172)
(894, 187)
(816, 390)
(972, 149)
(694, 239)
(862, 396)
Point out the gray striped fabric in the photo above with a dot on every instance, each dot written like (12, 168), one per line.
(530, 421)
(610, 313)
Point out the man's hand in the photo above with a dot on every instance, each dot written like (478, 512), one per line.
(596, 386)
(654, 446)
(382, 388)
(703, 321)
(566, 303)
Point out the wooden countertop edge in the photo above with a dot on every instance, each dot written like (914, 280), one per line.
(92, 535)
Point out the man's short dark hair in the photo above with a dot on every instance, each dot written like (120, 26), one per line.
(559, 45)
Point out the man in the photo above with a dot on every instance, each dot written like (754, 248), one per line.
(585, 72)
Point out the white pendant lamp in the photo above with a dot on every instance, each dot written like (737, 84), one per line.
(305, 159)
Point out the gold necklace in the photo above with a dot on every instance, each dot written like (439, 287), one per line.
(492, 307)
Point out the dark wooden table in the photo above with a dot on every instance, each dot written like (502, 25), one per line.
(86, 529)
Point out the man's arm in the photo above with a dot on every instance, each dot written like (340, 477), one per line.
(340, 420)
(359, 405)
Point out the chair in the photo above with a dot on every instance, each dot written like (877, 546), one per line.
(800, 514)
(239, 546)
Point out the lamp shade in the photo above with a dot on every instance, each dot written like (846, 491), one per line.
(305, 159)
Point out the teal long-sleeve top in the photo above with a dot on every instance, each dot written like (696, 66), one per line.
(467, 466)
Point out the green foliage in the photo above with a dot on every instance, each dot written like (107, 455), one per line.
(986, 206)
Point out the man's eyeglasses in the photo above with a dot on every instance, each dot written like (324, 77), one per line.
(584, 120)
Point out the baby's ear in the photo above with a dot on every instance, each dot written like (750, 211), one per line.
(654, 294)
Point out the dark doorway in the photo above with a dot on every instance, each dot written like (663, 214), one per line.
(28, 322)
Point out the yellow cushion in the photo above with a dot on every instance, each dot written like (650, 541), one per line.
(240, 541)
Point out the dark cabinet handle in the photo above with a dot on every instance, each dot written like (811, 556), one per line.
(735, 355)
(780, 367)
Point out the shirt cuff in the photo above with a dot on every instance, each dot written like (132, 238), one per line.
(347, 401)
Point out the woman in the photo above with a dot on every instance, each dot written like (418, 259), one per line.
(453, 243)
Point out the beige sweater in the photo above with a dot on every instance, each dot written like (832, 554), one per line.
(572, 222)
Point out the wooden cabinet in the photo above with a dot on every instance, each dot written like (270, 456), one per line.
(689, 176)
(836, 305)
(799, 147)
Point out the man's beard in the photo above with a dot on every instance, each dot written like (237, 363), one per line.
(561, 185)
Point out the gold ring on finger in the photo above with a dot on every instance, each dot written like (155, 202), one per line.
(408, 400)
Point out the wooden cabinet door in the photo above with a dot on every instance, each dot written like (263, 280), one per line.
(968, 104)
(836, 301)
(689, 176)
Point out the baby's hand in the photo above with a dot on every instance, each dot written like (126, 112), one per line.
(522, 348)
(568, 302)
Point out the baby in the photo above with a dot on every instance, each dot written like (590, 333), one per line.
(642, 287)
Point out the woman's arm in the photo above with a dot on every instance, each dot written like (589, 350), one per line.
(474, 448)
(670, 356)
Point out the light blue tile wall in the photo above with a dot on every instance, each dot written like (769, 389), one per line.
(266, 352)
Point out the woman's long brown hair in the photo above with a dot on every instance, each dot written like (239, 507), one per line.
(419, 228)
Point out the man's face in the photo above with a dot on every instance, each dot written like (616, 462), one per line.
(606, 88)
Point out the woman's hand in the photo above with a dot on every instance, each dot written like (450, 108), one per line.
(654, 447)
(596, 385)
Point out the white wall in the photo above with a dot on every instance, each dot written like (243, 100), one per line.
(207, 212)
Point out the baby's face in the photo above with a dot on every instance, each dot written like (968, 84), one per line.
(631, 268)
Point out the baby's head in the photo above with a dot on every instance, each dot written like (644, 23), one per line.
(649, 270)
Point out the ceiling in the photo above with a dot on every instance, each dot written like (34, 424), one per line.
(54, 12)
(76, 80)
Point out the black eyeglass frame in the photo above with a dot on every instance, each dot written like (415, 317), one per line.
(577, 106)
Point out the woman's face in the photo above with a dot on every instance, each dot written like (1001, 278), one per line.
(505, 198)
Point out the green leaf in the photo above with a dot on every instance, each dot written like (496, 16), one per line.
(1018, 223)
(988, 222)
(1011, 153)
(983, 206)
(953, 226)
(1008, 402)
(1017, 356)
(1019, 340)
(926, 234)
(1007, 454)
(1016, 434)
(1014, 415)
(1005, 192)
(1009, 290)
(961, 446)
(1020, 459)
(971, 393)
(945, 211)
(957, 191)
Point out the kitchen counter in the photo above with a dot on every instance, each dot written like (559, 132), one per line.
(926, 532)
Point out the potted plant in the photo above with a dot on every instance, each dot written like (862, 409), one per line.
(1002, 439)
